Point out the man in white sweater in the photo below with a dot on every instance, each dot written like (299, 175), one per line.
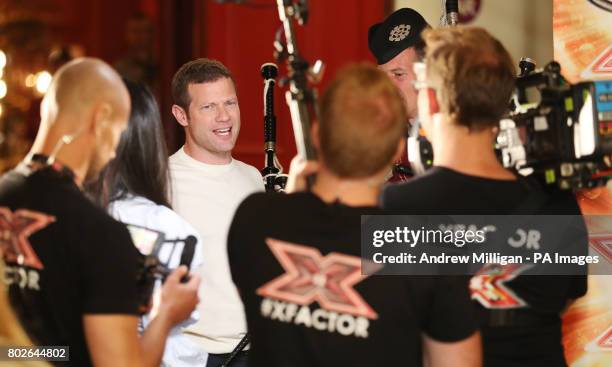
(207, 186)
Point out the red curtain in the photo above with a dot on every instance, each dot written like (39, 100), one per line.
(241, 36)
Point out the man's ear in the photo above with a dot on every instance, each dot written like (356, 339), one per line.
(180, 115)
(101, 118)
(434, 107)
(401, 148)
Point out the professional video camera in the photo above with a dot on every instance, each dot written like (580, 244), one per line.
(558, 132)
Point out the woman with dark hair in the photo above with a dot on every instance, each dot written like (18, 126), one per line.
(134, 189)
(140, 167)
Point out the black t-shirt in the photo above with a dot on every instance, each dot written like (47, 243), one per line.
(65, 258)
(296, 262)
(536, 338)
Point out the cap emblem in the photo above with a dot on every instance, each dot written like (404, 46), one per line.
(400, 32)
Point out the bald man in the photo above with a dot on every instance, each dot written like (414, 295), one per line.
(71, 269)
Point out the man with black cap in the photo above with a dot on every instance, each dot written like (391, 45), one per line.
(396, 44)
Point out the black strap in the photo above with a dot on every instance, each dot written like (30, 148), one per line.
(241, 345)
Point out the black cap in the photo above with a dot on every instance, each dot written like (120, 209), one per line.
(400, 30)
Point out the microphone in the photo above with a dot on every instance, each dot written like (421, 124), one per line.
(188, 251)
(187, 254)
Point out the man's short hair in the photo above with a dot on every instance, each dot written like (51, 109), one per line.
(362, 121)
(472, 73)
(195, 72)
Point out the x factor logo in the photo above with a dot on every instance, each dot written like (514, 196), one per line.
(489, 289)
(15, 229)
(310, 277)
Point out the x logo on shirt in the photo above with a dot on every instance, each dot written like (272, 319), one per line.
(310, 277)
(489, 289)
(15, 229)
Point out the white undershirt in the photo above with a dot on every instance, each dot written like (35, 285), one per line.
(207, 196)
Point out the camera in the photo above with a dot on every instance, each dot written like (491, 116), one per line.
(557, 132)
(156, 252)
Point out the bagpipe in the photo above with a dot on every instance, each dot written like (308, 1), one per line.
(274, 179)
(300, 97)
